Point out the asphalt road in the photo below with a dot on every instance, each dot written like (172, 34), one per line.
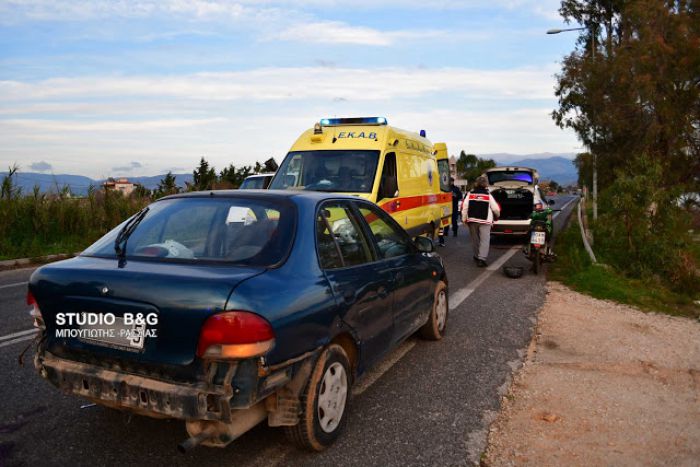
(427, 403)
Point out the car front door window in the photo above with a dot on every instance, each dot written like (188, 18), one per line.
(340, 239)
(389, 238)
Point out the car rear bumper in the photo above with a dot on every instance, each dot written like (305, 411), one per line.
(138, 394)
(510, 227)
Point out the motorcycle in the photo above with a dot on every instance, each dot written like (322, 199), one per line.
(539, 248)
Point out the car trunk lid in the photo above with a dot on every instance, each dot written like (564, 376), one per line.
(180, 297)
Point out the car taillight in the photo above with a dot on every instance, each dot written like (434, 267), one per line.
(235, 335)
(35, 312)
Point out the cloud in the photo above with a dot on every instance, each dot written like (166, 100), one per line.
(337, 32)
(128, 168)
(334, 32)
(266, 84)
(41, 166)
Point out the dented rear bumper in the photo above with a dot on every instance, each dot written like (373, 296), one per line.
(138, 394)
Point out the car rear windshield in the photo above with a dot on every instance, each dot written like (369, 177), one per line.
(334, 171)
(243, 231)
(509, 176)
(255, 183)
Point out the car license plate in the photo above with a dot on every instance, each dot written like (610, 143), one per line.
(117, 334)
(537, 238)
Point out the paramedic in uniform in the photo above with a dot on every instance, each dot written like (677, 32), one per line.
(478, 212)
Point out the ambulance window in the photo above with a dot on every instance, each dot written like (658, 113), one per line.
(388, 186)
(444, 170)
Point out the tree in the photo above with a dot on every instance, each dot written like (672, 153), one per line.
(166, 186)
(469, 166)
(632, 85)
(204, 177)
(8, 188)
(141, 192)
(234, 177)
(584, 166)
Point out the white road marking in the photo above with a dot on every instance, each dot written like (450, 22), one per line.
(17, 334)
(16, 284)
(18, 340)
(385, 365)
(563, 207)
(456, 298)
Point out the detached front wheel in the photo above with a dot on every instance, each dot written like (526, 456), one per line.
(324, 402)
(434, 328)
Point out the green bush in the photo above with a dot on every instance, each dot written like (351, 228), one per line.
(643, 232)
(39, 224)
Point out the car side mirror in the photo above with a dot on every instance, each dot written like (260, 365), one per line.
(551, 202)
(424, 244)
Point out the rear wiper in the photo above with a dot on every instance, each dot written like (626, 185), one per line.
(126, 231)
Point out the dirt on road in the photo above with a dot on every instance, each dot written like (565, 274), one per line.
(602, 384)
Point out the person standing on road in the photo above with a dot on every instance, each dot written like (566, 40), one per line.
(478, 212)
(456, 198)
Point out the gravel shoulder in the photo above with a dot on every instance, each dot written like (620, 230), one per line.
(602, 384)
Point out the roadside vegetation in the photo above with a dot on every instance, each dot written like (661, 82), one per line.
(649, 292)
(39, 224)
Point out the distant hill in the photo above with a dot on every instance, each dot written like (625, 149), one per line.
(78, 184)
(559, 168)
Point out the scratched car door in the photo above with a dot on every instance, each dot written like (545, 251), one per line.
(361, 289)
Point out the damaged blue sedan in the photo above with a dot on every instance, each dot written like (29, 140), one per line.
(228, 308)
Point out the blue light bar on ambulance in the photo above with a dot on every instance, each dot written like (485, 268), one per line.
(353, 121)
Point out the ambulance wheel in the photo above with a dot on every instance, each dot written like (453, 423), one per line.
(324, 402)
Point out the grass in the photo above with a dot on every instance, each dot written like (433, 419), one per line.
(39, 224)
(573, 267)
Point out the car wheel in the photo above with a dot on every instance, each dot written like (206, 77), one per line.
(435, 327)
(324, 402)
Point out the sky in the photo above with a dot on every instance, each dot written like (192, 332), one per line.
(118, 87)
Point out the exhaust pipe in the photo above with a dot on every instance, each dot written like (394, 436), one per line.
(194, 441)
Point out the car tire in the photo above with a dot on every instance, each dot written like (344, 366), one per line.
(537, 262)
(434, 328)
(324, 403)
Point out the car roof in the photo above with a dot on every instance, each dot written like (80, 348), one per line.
(264, 194)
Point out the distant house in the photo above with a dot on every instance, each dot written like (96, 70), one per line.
(122, 185)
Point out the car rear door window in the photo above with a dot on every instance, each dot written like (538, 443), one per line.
(341, 242)
(389, 238)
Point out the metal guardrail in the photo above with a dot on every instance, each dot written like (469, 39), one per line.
(583, 234)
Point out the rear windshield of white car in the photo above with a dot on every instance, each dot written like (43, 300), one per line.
(509, 176)
(250, 232)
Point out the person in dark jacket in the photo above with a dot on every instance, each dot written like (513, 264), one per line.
(478, 212)
(456, 198)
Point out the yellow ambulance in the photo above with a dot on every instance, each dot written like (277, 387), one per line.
(366, 157)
